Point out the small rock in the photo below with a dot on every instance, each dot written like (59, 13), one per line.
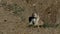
(34, 4)
(5, 20)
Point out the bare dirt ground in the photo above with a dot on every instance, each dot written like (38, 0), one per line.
(14, 16)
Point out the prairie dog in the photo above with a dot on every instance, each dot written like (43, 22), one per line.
(35, 20)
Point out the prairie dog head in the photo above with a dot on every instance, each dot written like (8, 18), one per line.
(34, 15)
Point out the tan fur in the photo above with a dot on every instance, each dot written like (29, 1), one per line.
(38, 20)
